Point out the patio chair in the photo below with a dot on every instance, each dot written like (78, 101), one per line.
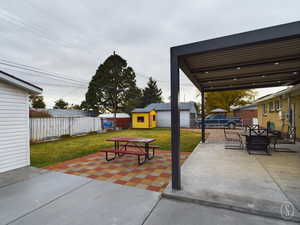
(233, 140)
(253, 127)
(258, 142)
(283, 139)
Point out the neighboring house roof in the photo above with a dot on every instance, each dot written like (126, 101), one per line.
(68, 113)
(218, 110)
(183, 106)
(15, 81)
(141, 110)
(111, 115)
(247, 107)
(279, 93)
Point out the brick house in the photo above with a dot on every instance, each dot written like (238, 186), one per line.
(281, 110)
(247, 113)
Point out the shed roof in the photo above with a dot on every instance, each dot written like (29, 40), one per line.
(68, 113)
(111, 115)
(15, 81)
(246, 107)
(279, 93)
(218, 110)
(183, 106)
(141, 110)
(267, 57)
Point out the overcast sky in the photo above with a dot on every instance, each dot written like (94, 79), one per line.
(71, 37)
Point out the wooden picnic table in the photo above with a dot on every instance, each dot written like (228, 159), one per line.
(141, 147)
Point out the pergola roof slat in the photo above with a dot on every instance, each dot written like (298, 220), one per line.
(232, 76)
(259, 78)
(273, 52)
(243, 55)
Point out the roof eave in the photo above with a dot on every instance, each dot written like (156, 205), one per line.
(30, 88)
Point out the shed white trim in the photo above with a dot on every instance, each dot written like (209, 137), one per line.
(32, 89)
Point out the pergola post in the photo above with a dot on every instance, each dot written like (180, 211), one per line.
(175, 122)
(202, 116)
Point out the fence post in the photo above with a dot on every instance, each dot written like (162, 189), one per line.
(70, 126)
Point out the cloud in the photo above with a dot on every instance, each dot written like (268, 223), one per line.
(73, 37)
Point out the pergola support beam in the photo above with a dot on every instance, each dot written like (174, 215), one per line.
(175, 122)
(202, 116)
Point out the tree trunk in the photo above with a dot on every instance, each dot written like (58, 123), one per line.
(115, 116)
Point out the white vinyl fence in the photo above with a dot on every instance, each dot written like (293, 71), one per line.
(47, 128)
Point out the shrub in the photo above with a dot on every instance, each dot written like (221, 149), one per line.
(65, 136)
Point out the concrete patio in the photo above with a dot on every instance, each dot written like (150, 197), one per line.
(34, 196)
(232, 179)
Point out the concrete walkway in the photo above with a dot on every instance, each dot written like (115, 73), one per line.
(51, 198)
(233, 179)
(34, 197)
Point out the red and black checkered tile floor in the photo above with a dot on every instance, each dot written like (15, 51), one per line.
(153, 175)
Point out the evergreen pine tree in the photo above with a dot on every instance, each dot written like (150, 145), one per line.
(112, 87)
(151, 93)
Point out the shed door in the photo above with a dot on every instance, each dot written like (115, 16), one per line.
(185, 119)
(164, 119)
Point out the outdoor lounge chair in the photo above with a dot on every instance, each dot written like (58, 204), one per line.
(233, 139)
(253, 127)
(281, 138)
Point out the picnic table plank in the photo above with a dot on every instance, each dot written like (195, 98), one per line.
(126, 139)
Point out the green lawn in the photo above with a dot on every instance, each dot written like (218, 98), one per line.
(45, 154)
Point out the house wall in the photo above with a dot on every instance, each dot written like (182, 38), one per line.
(246, 115)
(280, 117)
(121, 122)
(14, 128)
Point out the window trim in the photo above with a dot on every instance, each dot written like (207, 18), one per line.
(142, 118)
(277, 106)
(265, 109)
(271, 109)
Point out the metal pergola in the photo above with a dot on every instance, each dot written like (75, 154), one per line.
(267, 57)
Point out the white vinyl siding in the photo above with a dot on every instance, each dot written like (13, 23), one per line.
(164, 119)
(14, 128)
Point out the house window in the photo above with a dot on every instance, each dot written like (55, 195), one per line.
(271, 107)
(140, 119)
(277, 106)
(264, 109)
(153, 118)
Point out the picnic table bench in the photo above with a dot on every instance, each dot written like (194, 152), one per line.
(138, 146)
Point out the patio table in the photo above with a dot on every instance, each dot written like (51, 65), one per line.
(260, 140)
(142, 144)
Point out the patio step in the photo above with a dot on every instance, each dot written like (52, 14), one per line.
(260, 208)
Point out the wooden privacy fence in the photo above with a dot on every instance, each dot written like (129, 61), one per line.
(47, 128)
